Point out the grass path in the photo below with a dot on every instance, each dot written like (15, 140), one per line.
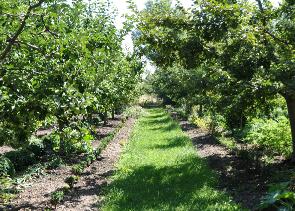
(160, 170)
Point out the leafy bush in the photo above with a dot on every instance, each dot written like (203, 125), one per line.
(57, 197)
(279, 197)
(36, 146)
(55, 163)
(75, 141)
(71, 181)
(21, 158)
(6, 191)
(6, 167)
(202, 122)
(133, 111)
(229, 142)
(78, 169)
(97, 152)
(214, 123)
(273, 135)
(51, 142)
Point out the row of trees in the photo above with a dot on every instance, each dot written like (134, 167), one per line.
(229, 57)
(62, 61)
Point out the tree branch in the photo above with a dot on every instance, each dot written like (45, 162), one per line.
(12, 40)
(34, 47)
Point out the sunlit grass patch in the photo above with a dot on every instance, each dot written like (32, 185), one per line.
(159, 170)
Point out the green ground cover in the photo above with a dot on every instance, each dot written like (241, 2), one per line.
(160, 170)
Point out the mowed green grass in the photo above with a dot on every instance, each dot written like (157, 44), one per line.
(159, 170)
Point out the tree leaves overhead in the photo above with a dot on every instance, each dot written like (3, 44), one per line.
(61, 60)
(244, 50)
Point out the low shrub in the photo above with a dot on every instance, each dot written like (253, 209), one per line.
(51, 142)
(78, 169)
(57, 197)
(71, 181)
(56, 162)
(21, 158)
(6, 191)
(133, 111)
(36, 146)
(202, 122)
(279, 197)
(229, 142)
(274, 136)
(6, 167)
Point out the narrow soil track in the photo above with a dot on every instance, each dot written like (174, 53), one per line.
(85, 194)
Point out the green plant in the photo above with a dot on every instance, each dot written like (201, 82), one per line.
(51, 142)
(55, 163)
(78, 169)
(97, 153)
(279, 197)
(21, 158)
(229, 142)
(72, 180)
(6, 191)
(273, 135)
(6, 167)
(36, 146)
(132, 111)
(57, 197)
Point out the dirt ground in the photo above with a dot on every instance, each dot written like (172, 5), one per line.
(87, 193)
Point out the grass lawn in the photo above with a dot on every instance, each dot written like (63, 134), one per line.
(160, 170)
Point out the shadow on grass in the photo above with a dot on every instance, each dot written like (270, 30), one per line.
(188, 186)
(173, 142)
(169, 126)
(159, 120)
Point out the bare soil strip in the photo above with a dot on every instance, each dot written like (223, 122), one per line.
(85, 195)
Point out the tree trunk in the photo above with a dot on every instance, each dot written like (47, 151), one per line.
(291, 111)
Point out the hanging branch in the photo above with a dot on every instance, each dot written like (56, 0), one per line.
(12, 40)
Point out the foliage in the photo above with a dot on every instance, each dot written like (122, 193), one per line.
(36, 146)
(229, 142)
(6, 191)
(230, 58)
(61, 64)
(132, 112)
(57, 197)
(273, 135)
(279, 197)
(21, 158)
(55, 162)
(71, 181)
(6, 167)
(78, 169)
(51, 142)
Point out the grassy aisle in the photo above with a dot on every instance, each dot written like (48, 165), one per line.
(159, 170)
